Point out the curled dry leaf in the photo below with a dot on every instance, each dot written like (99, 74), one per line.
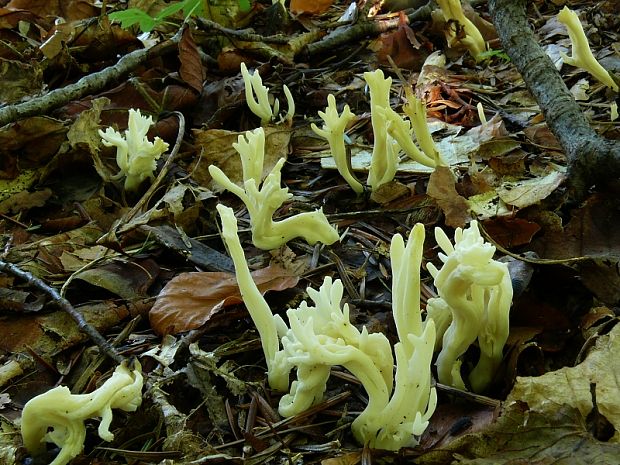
(441, 188)
(190, 300)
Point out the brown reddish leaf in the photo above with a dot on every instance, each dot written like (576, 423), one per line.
(447, 423)
(191, 70)
(441, 188)
(310, 7)
(541, 135)
(402, 46)
(511, 232)
(10, 18)
(35, 140)
(189, 300)
(603, 279)
(139, 95)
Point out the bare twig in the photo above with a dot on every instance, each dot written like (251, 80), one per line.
(243, 34)
(87, 85)
(364, 29)
(66, 306)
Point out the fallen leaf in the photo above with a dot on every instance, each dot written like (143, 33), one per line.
(24, 200)
(454, 206)
(217, 148)
(602, 277)
(522, 194)
(594, 378)
(191, 70)
(310, 7)
(401, 45)
(511, 232)
(19, 80)
(69, 10)
(189, 300)
(127, 279)
(592, 231)
(522, 436)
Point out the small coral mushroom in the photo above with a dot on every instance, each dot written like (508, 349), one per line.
(135, 155)
(461, 29)
(333, 131)
(582, 54)
(260, 105)
(262, 203)
(475, 294)
(58, 416)
(392, 132)
(384, 161)
(320, 335)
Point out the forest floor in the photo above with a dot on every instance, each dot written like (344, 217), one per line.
(147, 267)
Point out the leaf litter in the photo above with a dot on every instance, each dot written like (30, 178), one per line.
(160, 285)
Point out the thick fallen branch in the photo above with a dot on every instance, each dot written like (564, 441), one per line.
(592, 159)
(87, 85)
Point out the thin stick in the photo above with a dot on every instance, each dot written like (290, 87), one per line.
(66, 306)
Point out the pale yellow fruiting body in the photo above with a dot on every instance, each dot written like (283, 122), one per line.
(333, 129)
(262, 203)
(257, 98)
(58, 416)
(257, 306)
(384, 161)
(415, 109)
(321, 335)
(453, 12)
(582, 56)
(478, 293)
(136, 156)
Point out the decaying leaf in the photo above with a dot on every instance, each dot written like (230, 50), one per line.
(190, 299)
(523, 436)
(218, 150)
(522, 194)
(454, 206)
(127, 279)
(310, 7)
(592, 384)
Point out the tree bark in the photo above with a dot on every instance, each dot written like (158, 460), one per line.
(592, 159)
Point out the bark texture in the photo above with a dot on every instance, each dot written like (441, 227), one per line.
(592, 159)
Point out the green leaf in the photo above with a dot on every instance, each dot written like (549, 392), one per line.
(192, 7)
(132, 16)
(170, 10)
(244, 5)
(494, 53)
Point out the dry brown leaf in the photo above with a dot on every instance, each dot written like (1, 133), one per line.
(69, 10)
(191, 70)
(190, 300)
(576, 386)
(310, 7)
(511, 232)
(402, 46)
(454, 206)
